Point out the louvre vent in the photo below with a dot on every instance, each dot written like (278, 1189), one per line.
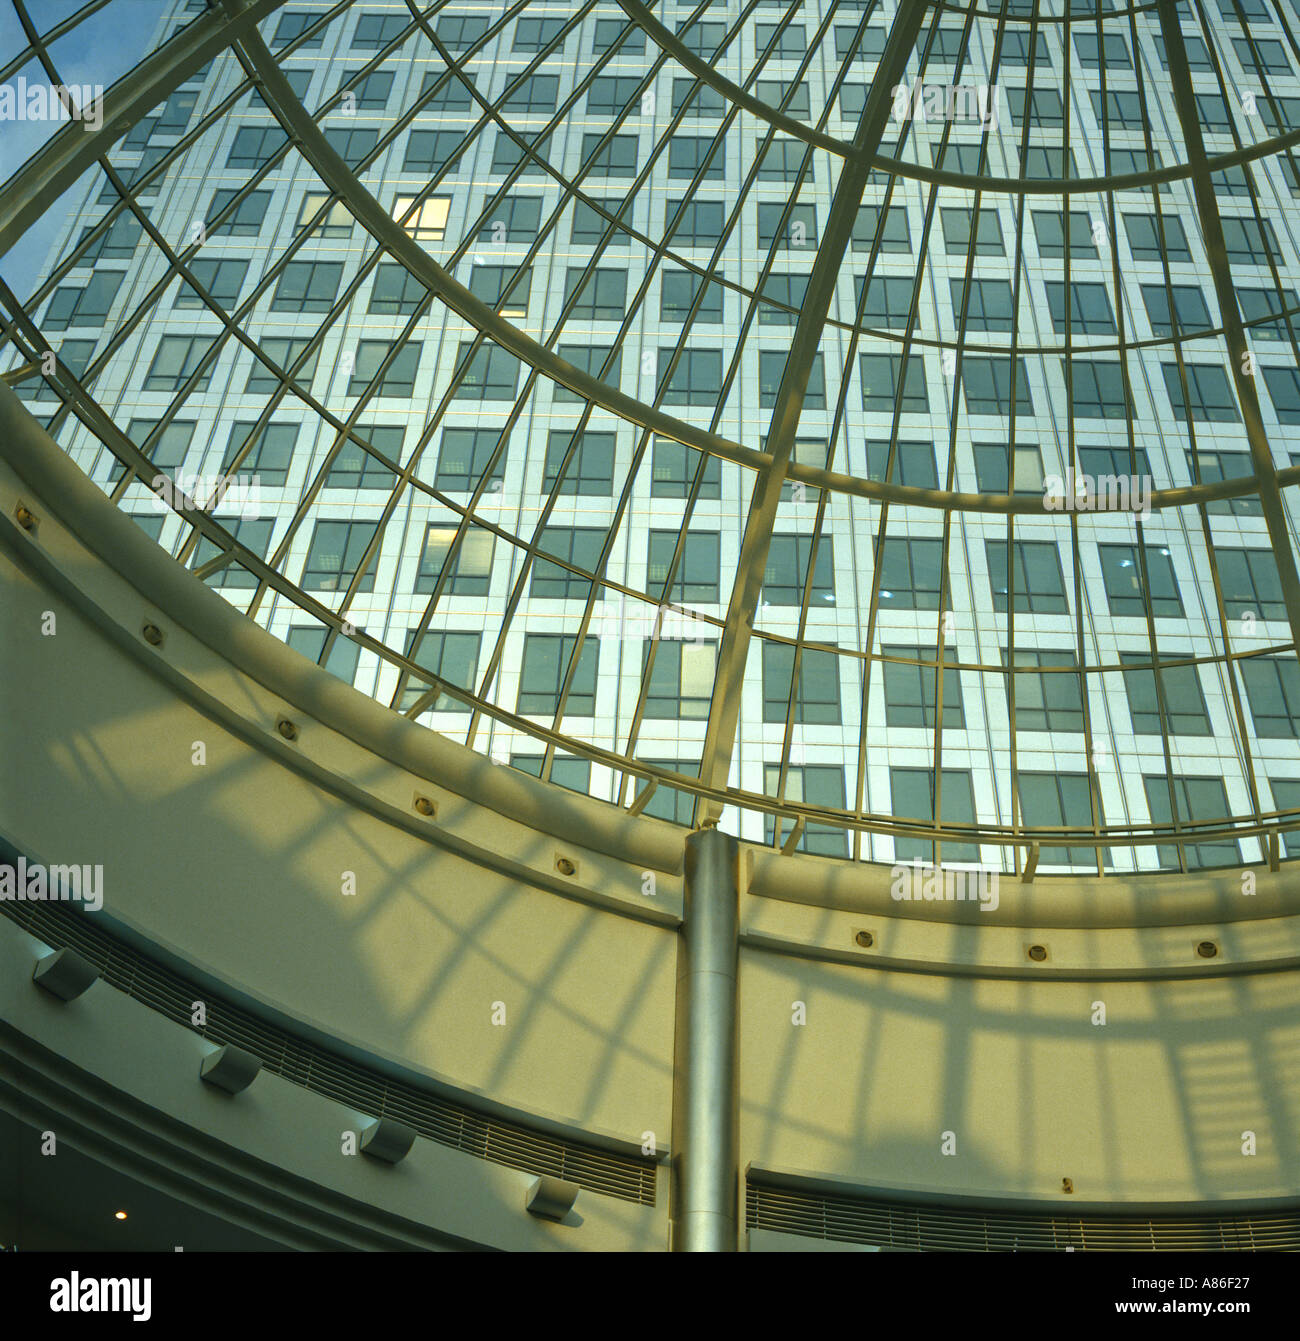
(331, 1074)
(909, 1226)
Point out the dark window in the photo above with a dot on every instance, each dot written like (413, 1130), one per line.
(1059, 801)
(911, 574)
(1047, 698)
(910, 690)
(270, 456)
(696, 380)
(1250, 582)
(545, 664)
(590, 226)
(307, 286)
(452, 657)
(787, 571)
(616, 159)
(573, 775)
(1090, 310)
(514, 219)
(355, 468)
(989, 305)
(463, 458)
(492, 374)
(337, 549)
(428, 150)
(175, 361)
(1189, 312)
(1273, 688)
(309, 639)
(590, 470)
(396, 292)
(628, 38)
(1144, 237)
(590, 359)
(1039, 583)
(813, 784)
(245, 220)
(459, 32)
(538, 93)
(534, 35)
(696, 578)
(1180, 687)
(502, 287)
(471, 568)
(986, 383)
(700, 224)
(398, 380)
(1194, 799)
(681, 679)
(1049, 230)
(799, 229)
(698, 99)
(1208, 392)
(1097, 389)
(678, 293)
(602, 293)
(255, 145)
(292, 26)
(882, 383)
(687, 155)
(912, 792)
(352, 146)
(674, 468)
(818, 698)
(912, 464)
(284, 352)
(1123, 577)
(576, 545)
(956, 231)
(771, 366)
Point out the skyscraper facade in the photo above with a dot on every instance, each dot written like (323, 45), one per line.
(875, 427)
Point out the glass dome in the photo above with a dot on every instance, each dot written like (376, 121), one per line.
(658, 399)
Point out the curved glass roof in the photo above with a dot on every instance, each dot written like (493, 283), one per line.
(658, 398)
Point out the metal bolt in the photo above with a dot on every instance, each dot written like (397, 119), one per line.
(152, 634)
(25, 518)
(865, 938)
(1207, 949)
(425, 806)
(564, 866)
(1038, 953)
(287, 729)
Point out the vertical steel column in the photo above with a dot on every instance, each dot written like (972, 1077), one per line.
(705, 1143)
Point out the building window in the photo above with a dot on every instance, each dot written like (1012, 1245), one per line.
(591, 359)
(986, 384)
(616, 159)
(463, 458)
(1258, 304)
(1250, 583)
(689, 155)
(459, 32)
(912, 793)
(812, 784)
(1215, 466)
(428, 150)
(911, 574)
(667, 803)
(781, 161)
(696, 380)
(883, 380)
(590, 470)
(681, 679)
(1123, 577)
(1046, 698)
(910, 697)
(781, 298)
(697, 575)
(956, 232)
(1144, 237)
(1284, 390)
(337, 549)
(1039, 583)
(292, 26)
(701, 38)
(369, 93)
(771, 368)
(175, 362)
(1059, 801)
(255, 145)
(677, 294)
(1097, 389)
(492, 373)
(1251, 242)
(896, 236)
(471, 569)
(514, 219)
(353, 146)
(574, 775)
(699, 99)
(535, 35)
(601, 294)
(991, 468)
(775, 91)
(1273, 689)
(537, 94)
(541, 675)
(396, 291)
(284, 352)
(590, 227)
(1111, 51)
(577, 545)
(817, 701)
(699, 223)
(1090, 311)
(674, 468)
(1049, 230)
(629, 39)
(398, 380)
(787, 570)
(442, 92)
(355, 468)
(1189, 312)
(504, 288)
(1043, 104)
(788, 43)
(245, 220)
(168, 452)
(1180, 686)
(307, 286)
(912, 463)
(425, 221)
(335, 221)
(89, 306)
(799, 229)
(1194, 799)
(254, 534)
(987, 305)
(309, 640)
(452, 657)
(270, 456)
(1208, 391)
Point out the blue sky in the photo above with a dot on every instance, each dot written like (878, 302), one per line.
(98, 51)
